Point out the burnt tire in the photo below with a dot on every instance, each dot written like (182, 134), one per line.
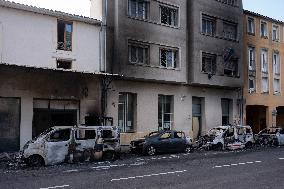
(35, 161)
(109, 156)
(188, 149)
(219, 147)
(151, 151)
(249, 145)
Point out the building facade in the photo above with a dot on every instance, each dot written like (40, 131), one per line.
(49, 71)
(181, 63)
(263, 55)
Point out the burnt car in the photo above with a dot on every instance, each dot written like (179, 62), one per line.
(162, 142)
(271, 136)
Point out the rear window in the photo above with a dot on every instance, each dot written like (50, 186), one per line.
(84, 134)
(107, 134)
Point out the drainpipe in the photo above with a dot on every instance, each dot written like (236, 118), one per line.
(104, 35)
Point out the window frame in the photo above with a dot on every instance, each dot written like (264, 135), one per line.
(266, 31)
(251, 62)
(230, 24)
(249, 18)
(277, 39)
(253, 79)
(263, 89)
(175, 57)
(145, 16)
(176, 22)
(163, 112)
(264, 61)
(64, 47)
(213, 57)
(146, 52)
(208, 19)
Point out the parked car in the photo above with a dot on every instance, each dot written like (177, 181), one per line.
(162, 142)
(72, 144)
(229, 137)
(271, 136)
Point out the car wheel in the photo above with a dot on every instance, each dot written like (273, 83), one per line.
(35, 161)
(249, 145)
(219, 147)
(151, 150)
(109, 156)
(189, 149)
(275, 142)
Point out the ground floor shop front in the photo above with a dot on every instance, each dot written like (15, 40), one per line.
(141, 107)
(32, 100)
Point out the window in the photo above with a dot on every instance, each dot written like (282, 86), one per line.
(230, 30)
(208, 25)
(138, 53)
(209, 63)
(251, 26)
(276, 85)
(275, 33)
(60, 135)
(126, 112)
(263, 29)
(264, 61)
(229, 2)
(168, 58)
(231, 68)
(166, 135)
(83, 134)
(276, 63)
(251, 55)
(138, 9)
(169, 16)
(225, 103)
(165, 112)
(64, 35)
(64, 64)
(264, 84)
(252, 86)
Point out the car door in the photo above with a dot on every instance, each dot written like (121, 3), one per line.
(163, 143)
(178, 143)
(57, 146)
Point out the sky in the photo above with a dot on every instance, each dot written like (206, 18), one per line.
(270, 8)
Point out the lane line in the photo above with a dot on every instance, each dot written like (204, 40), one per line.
(249, 162)
(242, 163)
(52, 187)
(281, 158)
(258, 161)
(71, 171)
(150, 175)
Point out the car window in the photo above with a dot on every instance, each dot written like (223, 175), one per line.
(60, 135)
(178, 135)
(84, 134)
(166, 135)
(282, 131)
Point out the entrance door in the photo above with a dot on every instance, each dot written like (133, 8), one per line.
(256, 117)
(9, 124)
(196, 117)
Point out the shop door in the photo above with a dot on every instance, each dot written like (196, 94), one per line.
(9, 124)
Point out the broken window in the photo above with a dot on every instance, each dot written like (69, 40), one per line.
(64, 35)
(83, 134)
(231, 68)
(138, 8)
(230, 30)
(138, 53)
(209, 63)
(166, 135)
(126, 112)
(169, 16)
(60, 135)
(168, 58)
(208, 25)
(64, 64)
(165, 112)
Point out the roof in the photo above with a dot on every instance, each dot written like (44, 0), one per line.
(262, 16)
(48, 12)
(56, 69)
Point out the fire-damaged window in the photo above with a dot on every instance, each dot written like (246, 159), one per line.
(169, 15)
(225, 103)
(208, 25)
(64, 35)
(60, 135)
(64, 64)
(231, 68)
(138, 53)
(126, 112)
(209, 63)
(9, 124)
(230, 30)
(84, 134)
(138, 8)
(165, 112)
(168, 57)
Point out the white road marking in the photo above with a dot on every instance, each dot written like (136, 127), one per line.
(249, 162)
(242, 163)
(150, 175)
(52, 187)
(281, 158)
(258, 161)
(237, 164)
(233, 164)
(71, 171)
(226, 165)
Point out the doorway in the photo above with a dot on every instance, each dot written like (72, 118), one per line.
(196, 117)
(256, 117)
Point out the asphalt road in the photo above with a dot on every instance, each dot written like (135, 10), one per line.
(260, 169)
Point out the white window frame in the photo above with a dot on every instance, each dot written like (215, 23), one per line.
(276, 28)
(276, 63)
(251, 59)
(254, 84)
(145, 15)
(144, 47)
(266, 29)
(208, 20)
(174, 60)
(174, 21)
(253, 25)
(264, 61)
(277, 91)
